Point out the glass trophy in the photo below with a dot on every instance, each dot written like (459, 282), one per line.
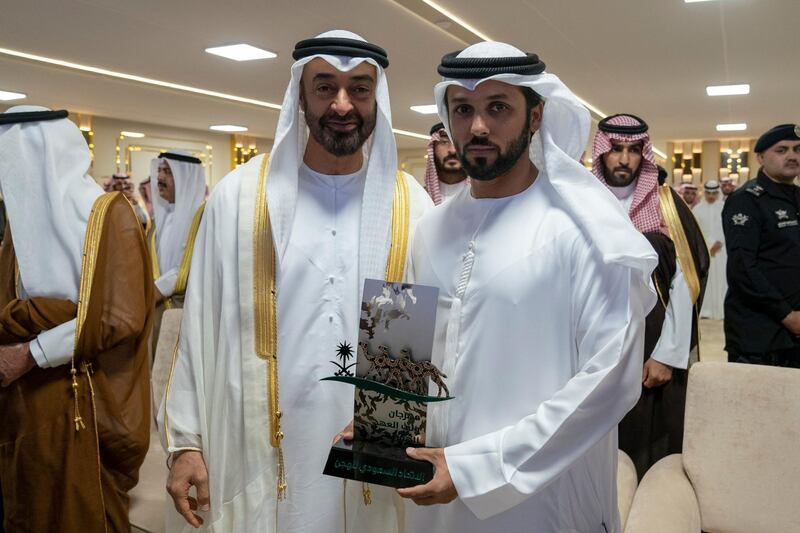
(394, 382)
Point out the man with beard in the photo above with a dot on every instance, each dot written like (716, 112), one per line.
(727, 186)
(622, 159)
(75, 309)
(281, 256)
(688, 193)
(762, 234)
(709, 216)
(178, 208)
(444, 177)
(543, 291)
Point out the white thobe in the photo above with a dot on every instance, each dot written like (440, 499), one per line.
(674, 343)
(224, 414)
(709, 217)
(450, 190)
(166, 280)
(548, 358)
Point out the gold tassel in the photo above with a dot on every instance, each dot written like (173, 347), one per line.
(79, 425)
(281, 468)
(366, 493)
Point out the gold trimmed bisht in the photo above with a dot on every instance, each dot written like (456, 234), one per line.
(266, 300)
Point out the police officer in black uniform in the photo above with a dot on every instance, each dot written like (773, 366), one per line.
(761, 221)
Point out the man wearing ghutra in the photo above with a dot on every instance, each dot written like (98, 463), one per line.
(280, 259)
(75, 310)
(543, 288)
(709, 217)
(444, 177)
(622, 159)
(177, 210)
(688, 193)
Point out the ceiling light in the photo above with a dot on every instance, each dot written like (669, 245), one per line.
(425, 109)
(731, 127)
(411, 134)
(696, 1)
(241, 52)
(132, 134)
(728, 90)
(160, 83)
(229, 128)
(8, 95)
(133, 77)
(455, 19)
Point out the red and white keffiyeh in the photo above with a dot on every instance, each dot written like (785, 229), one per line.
(644, 212)
(431, 176)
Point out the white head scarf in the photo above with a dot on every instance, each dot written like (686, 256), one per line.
(190, 190)
(48, 197)
(380, 154)
(556, 148)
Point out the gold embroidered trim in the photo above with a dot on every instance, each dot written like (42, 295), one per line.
(154, 253)
(169, 385)
(156, 269)
(266, 315)
(396, 262)
(658, 291)
(186, 259)
(88, 370)
(265, 297)
(94, 229)
(678, 236)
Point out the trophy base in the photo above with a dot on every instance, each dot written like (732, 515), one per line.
(378, 464)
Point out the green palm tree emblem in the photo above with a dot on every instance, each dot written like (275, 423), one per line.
(344, 352)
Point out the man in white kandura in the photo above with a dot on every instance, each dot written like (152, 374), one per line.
(709, 216)
(544, 286)
(181, 191)
(279, 263)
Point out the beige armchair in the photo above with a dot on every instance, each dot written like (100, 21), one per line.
(626, 485)
(740, 469)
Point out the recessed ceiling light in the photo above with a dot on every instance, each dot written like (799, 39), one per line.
(731, 127)
(696, 1)
(728, 90)
(241, 52)
(132, 134)
(8, 95)
(425, 109)
(229, 128)
(168, 84)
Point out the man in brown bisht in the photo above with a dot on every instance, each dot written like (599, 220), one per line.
(76, 297)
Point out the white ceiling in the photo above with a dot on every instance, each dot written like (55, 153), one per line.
(649, 57)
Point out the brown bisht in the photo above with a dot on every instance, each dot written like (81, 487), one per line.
(653, 429)
(71, 447)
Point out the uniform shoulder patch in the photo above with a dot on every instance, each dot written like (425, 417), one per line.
(755, 190)
(739, 219)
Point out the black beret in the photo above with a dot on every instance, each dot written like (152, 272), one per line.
(784, 132)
